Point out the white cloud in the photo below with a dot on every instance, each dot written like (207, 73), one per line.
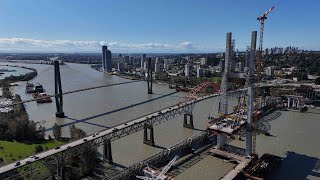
(187, 45)
(38, 45)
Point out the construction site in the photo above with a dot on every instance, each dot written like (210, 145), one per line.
(243, 121)
(228, 137)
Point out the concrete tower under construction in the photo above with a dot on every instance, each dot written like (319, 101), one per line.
(250, 86)
(224, 87)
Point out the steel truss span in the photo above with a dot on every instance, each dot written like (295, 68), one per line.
(53, 158)
(159, 157)
(30, 165)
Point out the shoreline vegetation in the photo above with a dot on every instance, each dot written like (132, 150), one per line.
(20, 137)
(24, 77)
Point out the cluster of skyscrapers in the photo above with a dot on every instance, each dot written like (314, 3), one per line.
(278, 50)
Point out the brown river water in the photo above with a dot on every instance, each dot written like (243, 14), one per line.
(295, 135)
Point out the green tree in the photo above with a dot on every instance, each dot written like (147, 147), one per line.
(38, 148)
(82, 164)
(56, 131)
(76, 133)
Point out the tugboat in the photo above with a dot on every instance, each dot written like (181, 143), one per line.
(30, 88)
(38, 88)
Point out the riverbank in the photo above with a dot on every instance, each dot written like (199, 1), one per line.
(20, 137)
(23, 77)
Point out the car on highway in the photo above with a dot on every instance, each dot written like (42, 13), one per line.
(17, 163)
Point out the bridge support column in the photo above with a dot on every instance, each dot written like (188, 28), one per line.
(187, 124)
(221, 141)
(60, 168)
(148, 138)
(58, 90)
(107, 152)
(149, 78)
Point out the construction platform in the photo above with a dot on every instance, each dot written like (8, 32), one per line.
(233, 122)
(241, 161)
(261, 167)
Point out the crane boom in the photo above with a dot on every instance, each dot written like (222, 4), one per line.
(259, 67)
(264, 16)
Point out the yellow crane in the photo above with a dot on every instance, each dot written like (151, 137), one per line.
(261, 18)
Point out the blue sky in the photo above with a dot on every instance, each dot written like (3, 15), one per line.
(153, 25)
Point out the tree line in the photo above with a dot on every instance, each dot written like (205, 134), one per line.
(15, 125)
(77, 165)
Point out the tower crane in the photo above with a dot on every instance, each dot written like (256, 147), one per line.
(261, 18)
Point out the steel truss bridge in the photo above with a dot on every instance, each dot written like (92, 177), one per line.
(54, 157)
(160, 156)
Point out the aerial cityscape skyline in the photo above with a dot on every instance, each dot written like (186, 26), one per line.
(151, 90)
(151, 27)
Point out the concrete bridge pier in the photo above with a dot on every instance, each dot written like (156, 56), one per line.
(188, 121)
(150, 77)
(58, 90)
(221, 141)
(148, 135)
(107, 152)
(60, 168)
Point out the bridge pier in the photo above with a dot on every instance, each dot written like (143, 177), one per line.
(187, 124)
(60, 168)
(148, 138)
(149, 78)
(58, 90)
(107, 152)
(221, 141)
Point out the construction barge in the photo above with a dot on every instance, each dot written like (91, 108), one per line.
(42, 98)
(258, 169)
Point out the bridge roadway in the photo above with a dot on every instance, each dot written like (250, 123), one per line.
(111, 134)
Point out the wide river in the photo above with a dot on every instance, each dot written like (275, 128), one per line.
(295, 135)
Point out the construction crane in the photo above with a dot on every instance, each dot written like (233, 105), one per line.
(261, 18)
(151, 174)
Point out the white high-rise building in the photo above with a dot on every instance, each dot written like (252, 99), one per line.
(203, 61)
(166, 64)
(188, 70)
(143, 60)
(199, 72)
